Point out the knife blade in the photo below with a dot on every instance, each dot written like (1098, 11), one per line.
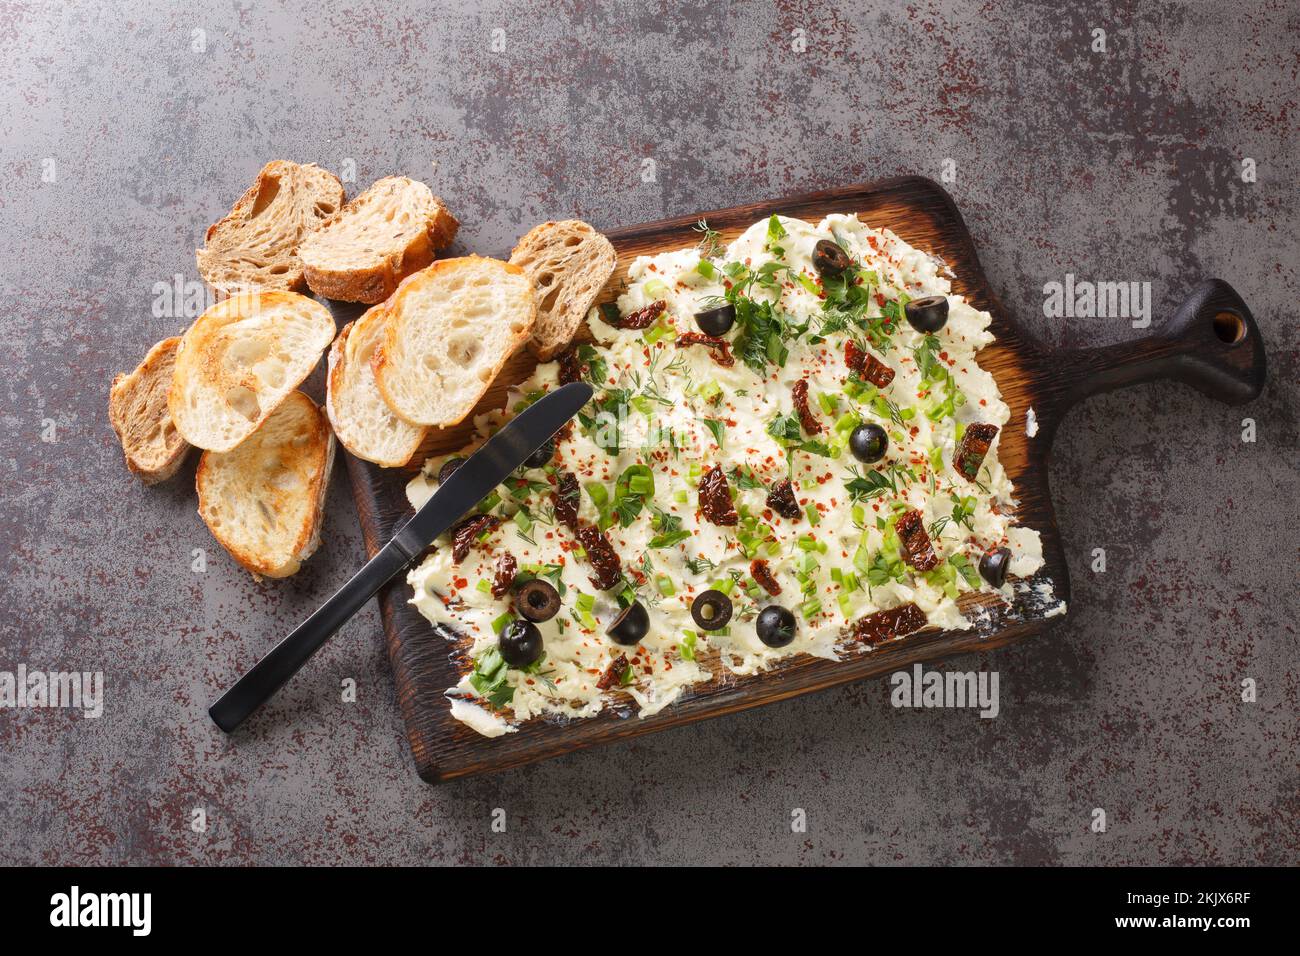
(495, 461)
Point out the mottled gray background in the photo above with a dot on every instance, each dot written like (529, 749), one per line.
(1122, 165)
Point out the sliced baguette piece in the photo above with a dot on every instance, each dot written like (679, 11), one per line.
(240, 359)
(568, 262)
(256, 245)
(363, 423)
(361, 253)
(264, 501)
(137, 410)
(448, 331)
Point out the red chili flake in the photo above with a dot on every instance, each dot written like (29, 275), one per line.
(781, 500)
(715, 498)
(565, 499)
(974, 446)
(760, 572)
(464, 535)
(718, 347)
(643, 318)
(885, 625)
(809, 421)
(506, 568)
(613, 673)
(571, 367)
(602, 557)
(917, 550)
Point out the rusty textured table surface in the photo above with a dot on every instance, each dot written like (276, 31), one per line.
(124, 132)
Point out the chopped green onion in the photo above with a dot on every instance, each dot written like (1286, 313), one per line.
(814, 516)
(484, 585)
(686, 646)
(499, 624)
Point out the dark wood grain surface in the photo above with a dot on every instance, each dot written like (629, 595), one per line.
(1212, 343)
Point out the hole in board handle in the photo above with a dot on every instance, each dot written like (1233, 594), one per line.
(1229, 327)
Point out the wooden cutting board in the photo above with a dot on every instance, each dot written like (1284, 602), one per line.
(1212, 343)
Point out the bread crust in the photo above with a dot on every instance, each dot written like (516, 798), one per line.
(384, 364)
(378, 280)
(137, 406)
(569, 263)
(203, 365)
(317, 453)
(342, 357)
(297, 198)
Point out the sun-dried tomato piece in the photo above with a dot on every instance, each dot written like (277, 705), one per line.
(601, 556)
(917, 550)
(720, 349)
(504, 578)
(855, 357)
(761, 573)
(643, 318)
(565, 499)
(464, 534)
(885, 625)
(806, 417)
(867, 366)
(974, 446)
(781, 500)
(877, 372)
(715, 498)
(613, 673)
(572, 368)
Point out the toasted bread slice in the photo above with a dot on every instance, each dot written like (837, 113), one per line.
(264, 500)
(448, 330)
(363, 423)
(362, 252)
(137, 410)
(240, 359)
(569, 263)
(256, 245)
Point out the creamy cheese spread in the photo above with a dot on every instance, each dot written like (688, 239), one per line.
(672, 411)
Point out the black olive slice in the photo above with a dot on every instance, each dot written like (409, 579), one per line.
(993, 566)
(520, 644)
(632, 624)
(449, 468)
(775, 626)
(716, 322)
(537, 600)
(868, 442)
(711, 610)
(829, 259)
(542, 456)
(928, 313)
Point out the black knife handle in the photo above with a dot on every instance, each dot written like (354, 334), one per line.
(270, 673)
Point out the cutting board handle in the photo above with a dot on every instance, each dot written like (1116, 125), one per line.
(1212, 343)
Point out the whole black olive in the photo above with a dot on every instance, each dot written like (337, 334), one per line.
(520, 643)
(928, 313)
(993, 566)
(775, 626)
(631, 625)
(717, 321)
(711, 610)
(537, 601)
(868, 443)
(542, 456)
(829, 259)
(449, 468)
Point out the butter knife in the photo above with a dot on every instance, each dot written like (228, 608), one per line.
(495, 461)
